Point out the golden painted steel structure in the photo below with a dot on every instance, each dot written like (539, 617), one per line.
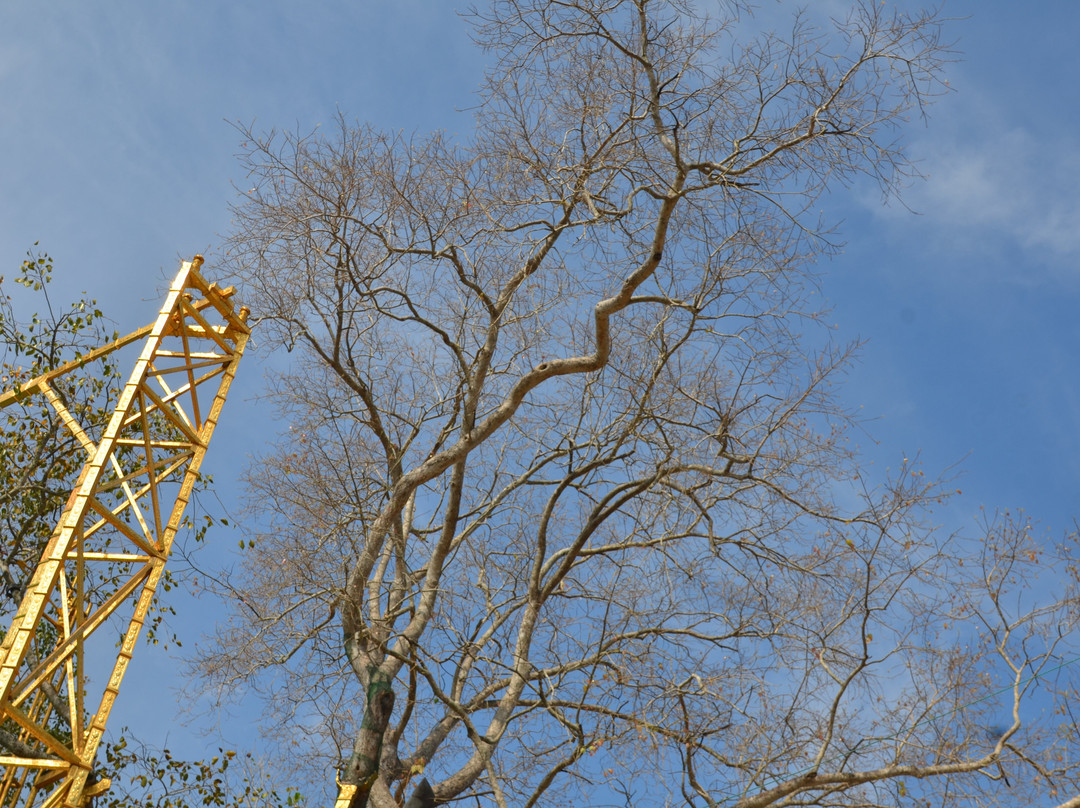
(90, 594)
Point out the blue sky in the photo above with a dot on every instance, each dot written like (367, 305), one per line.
(118, 156)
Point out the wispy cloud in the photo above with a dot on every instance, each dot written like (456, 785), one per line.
(1005, 182)
(998, 182)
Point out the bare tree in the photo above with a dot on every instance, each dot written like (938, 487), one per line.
(564, 469)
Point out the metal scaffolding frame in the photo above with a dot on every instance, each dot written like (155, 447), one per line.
(90, 593)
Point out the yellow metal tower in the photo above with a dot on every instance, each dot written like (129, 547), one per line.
(92, 589)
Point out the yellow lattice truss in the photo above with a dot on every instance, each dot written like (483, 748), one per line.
(93, 587)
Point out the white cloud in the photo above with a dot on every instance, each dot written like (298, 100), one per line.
(1002, 183)
(994, 182)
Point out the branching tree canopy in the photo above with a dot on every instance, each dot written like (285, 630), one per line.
(565, 470)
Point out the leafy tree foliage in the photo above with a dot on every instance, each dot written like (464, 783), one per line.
(144, 777)
(39, 457)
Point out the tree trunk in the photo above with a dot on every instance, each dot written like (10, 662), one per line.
(363, 766)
